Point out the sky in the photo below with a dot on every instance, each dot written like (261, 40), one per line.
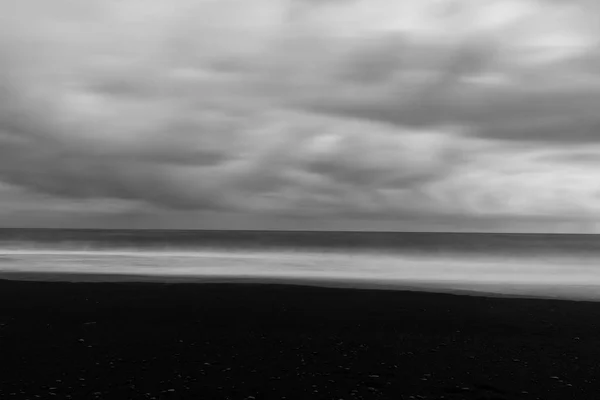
(463, 115)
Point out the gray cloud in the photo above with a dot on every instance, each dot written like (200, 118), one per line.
(379, 110)
(528, 78)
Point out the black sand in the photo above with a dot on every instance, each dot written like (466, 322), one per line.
(238, 341)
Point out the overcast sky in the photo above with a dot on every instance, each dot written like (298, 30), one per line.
(301, 114)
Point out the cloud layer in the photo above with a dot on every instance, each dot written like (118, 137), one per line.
(338, 109)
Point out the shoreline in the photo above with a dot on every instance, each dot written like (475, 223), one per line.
(580, 293)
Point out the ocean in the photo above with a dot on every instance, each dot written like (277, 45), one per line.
(538, 265)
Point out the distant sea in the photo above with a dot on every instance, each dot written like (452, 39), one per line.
(539, 265)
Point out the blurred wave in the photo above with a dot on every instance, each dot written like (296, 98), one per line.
(564, 266)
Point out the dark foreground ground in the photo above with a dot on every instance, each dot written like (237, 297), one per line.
(238, 341)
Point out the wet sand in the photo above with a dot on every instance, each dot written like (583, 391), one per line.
(126, 340)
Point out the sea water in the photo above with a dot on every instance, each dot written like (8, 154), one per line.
(539, 265)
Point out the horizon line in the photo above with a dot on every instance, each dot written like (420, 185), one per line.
(297, 230)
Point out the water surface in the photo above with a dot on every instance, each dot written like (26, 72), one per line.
(544, 265)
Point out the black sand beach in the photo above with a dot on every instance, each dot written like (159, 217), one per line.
(260, 341)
